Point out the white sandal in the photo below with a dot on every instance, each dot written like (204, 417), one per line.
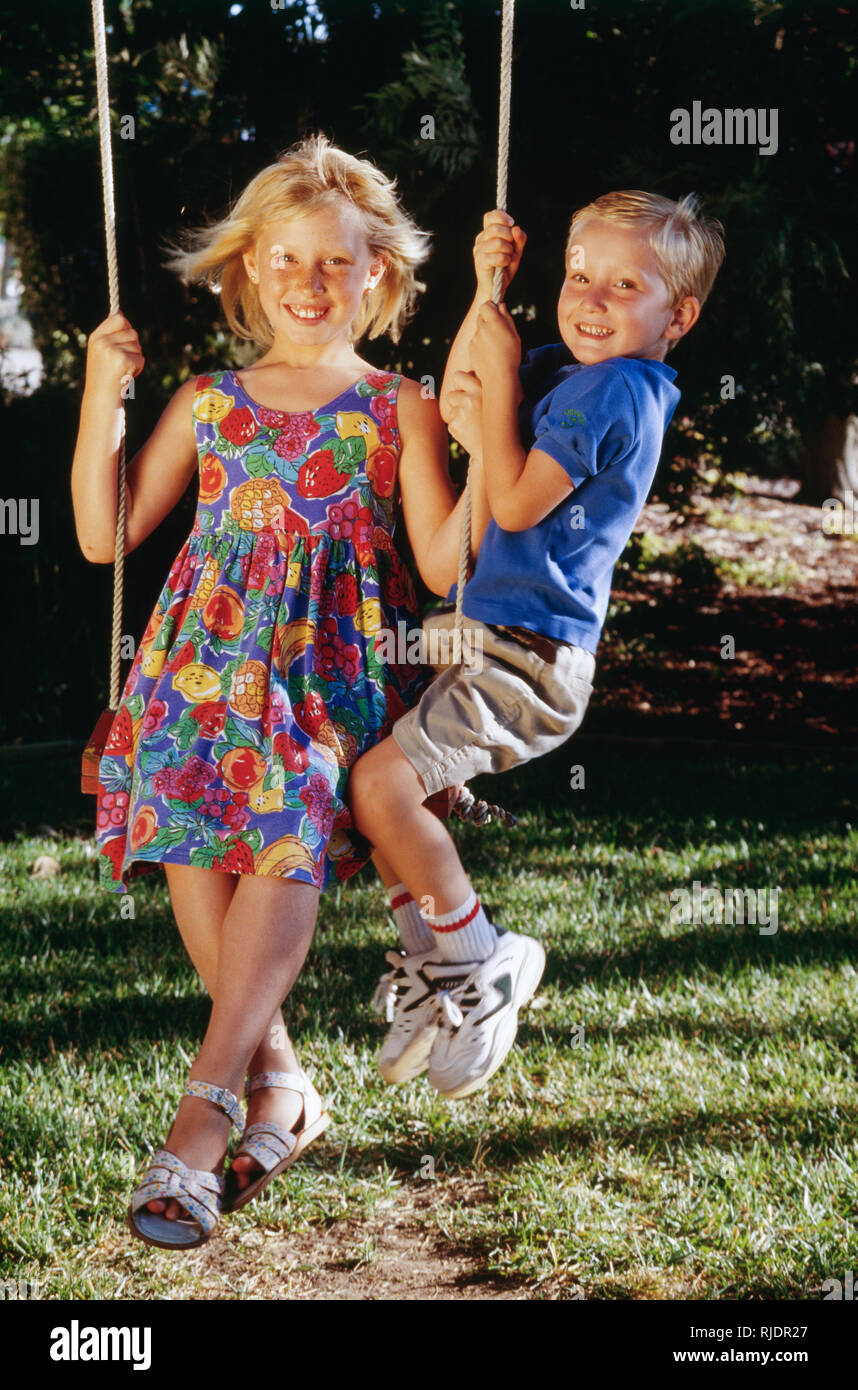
(198, 1191)
(272, 1146)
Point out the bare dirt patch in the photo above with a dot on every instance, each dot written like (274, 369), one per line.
(398, 1253)
(794, 675)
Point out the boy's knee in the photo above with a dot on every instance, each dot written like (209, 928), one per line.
(365, 784)
(380, 785)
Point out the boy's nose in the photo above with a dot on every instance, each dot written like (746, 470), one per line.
(594, 300)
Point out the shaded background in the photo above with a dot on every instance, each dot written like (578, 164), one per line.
(218, 90)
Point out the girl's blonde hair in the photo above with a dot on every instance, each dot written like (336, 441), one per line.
(310, 172)
(687, 246)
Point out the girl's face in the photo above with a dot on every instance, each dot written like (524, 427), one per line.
(314, 270)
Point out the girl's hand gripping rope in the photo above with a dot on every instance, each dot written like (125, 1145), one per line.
(500, 243)
(113, 355)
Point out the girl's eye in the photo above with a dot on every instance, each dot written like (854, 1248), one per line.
(627, 284)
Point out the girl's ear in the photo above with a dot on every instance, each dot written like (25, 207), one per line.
(249, 263)
(377, 268)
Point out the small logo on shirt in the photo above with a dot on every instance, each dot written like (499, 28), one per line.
(570, 418)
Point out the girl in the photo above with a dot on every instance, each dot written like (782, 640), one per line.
(256, 684)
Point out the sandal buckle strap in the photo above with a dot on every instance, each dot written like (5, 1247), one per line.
(284, 1080)
(220, 1096)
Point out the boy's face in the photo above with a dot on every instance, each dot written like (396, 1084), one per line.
(616, 304)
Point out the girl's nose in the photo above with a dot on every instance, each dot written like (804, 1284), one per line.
(311, 281)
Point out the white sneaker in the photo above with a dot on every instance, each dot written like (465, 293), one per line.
(408, 997)
(478, 1023)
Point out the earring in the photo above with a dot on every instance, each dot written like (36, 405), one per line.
(254, 279)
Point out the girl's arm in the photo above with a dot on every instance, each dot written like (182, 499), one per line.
(500, 243)
(432, 515)
(159, 473)
(459, 357)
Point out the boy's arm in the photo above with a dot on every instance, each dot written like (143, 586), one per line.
(522, 487)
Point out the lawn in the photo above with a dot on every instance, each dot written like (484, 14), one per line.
(677, 1120)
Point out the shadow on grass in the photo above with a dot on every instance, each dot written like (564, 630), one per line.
(675, 791)
(335, 989)
(503, 1149)
(720, 949)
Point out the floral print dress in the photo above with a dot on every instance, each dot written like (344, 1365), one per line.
(256, 684)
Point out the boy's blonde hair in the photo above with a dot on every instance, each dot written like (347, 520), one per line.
(308, 174)
(687, 246)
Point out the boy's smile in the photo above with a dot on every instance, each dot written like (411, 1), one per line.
(616, 304)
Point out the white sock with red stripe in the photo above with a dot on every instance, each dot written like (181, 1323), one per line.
(466, 934)
(414, 931)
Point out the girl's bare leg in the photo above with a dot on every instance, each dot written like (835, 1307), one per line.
(200, 899)
(248, 938)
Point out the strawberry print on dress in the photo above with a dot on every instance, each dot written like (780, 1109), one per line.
(256, 684)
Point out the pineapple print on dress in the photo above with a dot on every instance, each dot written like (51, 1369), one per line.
(256, 684)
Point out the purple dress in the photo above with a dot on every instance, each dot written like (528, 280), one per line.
(257, 684)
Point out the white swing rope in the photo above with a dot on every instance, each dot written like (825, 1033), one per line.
(467, 808)
(113, 292)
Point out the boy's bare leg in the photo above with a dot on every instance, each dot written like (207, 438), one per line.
(384, 869)
(264, 937)
(386, 797)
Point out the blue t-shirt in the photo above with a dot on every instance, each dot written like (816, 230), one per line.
(604, 424)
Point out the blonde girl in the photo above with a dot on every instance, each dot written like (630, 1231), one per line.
(256, 684)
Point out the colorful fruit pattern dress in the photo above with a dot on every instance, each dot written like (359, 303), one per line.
(256, 684)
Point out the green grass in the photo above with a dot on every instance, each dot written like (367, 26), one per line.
(678, 1118)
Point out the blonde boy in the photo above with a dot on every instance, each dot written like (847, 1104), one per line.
(567, 444)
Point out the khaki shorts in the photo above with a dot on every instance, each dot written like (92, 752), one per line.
(503, 706)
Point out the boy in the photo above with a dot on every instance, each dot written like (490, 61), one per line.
(569, 442)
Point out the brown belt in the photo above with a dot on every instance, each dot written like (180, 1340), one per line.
(545, 647)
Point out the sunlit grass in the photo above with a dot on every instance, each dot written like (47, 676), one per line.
(678, 1118)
